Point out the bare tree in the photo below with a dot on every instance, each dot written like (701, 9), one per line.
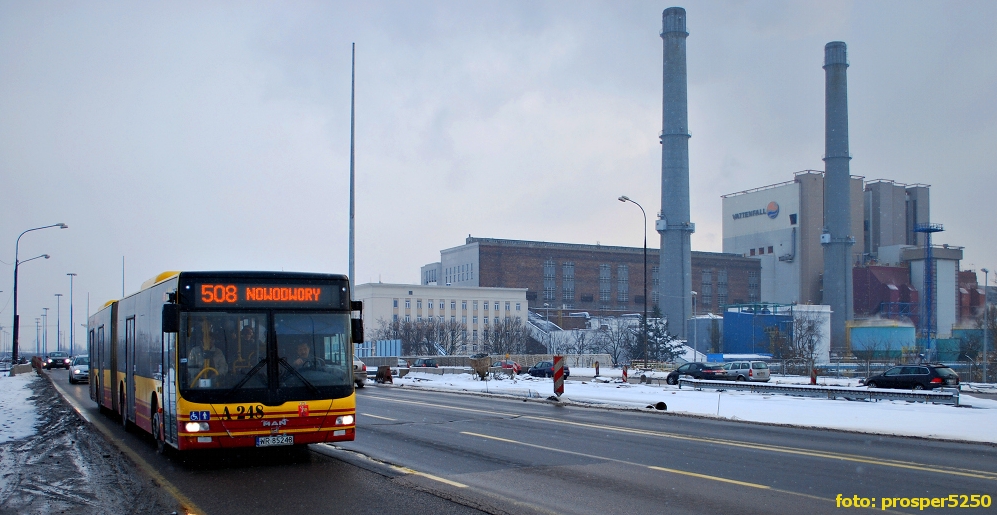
(616, 339)
(508, 337)
(807, 335)
(450, 335)
(579, 343)
(874, 348)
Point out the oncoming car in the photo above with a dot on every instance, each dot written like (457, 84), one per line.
(359, 373)
(79, 370)
(57, 359)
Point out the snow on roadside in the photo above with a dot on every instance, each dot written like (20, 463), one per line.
(18, 415)
(901, 418)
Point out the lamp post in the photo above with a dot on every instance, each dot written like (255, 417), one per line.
(624, 198)
(72, 328)
(45, 331)
(986, 321)
(550, 335)
(695, 326)
(17, 245)
(58, 321)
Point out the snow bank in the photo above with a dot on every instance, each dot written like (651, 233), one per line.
(18, 415)
(904, 418)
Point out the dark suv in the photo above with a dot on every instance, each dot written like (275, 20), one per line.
(710, 371)
(915, 377)
(425, 363)
(546, 369)
(57, 359)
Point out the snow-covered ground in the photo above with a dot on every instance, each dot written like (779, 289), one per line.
(974, 421)
(18, 415)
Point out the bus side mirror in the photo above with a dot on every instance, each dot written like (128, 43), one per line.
(171, 318)
(356, 327)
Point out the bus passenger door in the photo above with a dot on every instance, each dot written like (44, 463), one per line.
(129, 408)
(94, 366)
(169, 378)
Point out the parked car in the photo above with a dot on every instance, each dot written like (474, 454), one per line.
(747, 371)
(508, 363)
(79, 370)
(546, 369)
(425, 363)
(915, 377)
(57, 359)
(359, 373)
(697, 370)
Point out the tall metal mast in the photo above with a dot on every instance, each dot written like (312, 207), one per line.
(353, 78)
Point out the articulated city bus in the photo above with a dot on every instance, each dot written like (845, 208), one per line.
(205, 360)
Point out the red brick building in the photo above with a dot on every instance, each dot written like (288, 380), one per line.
(593, 278)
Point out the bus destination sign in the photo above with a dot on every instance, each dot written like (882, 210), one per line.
(245, 295)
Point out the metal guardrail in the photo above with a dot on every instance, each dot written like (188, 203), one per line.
(940, 396)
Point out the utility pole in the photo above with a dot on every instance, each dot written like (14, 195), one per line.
(72, 328)
(58, 321)
(45, 331)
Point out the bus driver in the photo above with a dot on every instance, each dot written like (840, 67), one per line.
(206, 354)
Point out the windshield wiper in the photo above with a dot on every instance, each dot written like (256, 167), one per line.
(283, 361)
(259, 366)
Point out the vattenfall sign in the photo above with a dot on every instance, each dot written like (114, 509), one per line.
(772, 210)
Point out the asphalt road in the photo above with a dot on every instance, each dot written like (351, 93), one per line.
(280, 481)
(509, 456)
(564, 459)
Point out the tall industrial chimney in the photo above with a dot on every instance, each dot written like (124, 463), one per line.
(675, 272)
(836, 240)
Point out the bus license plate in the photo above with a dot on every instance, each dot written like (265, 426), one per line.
(270, 441)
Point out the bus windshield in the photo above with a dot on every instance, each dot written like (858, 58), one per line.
(264, 356)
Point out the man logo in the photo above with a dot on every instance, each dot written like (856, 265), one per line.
(772, 210)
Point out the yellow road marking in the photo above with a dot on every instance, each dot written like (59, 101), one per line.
(375, 416)
(938, 469)
(662, 469)
(188, 505)
(625, 462)
(430, 476)
(713, 478)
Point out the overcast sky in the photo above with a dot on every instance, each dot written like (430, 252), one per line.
(216, 135)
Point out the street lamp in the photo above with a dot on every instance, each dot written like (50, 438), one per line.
(550, 335)
(45, 331)
(72, 329)
(58, 321)
(17, 245)
(986, 321)
(695, 326)
(624, 198)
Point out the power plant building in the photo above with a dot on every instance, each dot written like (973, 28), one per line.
(599, 279)
(781, 226)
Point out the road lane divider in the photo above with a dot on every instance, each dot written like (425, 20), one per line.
(830, 455)
(430, 476)
(625, 462)
(375, 416)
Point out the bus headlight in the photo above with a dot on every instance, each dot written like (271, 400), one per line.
(196, 427)
(344, 420)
